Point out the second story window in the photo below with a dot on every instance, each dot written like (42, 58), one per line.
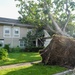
(7, 31)
(16, 32)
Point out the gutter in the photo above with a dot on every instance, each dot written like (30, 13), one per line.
(16, 24)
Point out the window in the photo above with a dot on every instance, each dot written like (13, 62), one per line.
(7, 31)
(1, 43)
(22, 44)
(16, 32)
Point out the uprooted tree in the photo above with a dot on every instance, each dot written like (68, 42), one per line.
(56, 17)
(61, 51)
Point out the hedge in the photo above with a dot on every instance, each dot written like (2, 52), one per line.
(33, 49)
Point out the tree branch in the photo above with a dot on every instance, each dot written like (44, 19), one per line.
(58, 29)
(54, 23)
(66, 22)
(68, 16)
(48, 28)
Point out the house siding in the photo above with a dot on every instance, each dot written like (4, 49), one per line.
(23, 32)
(12, 30)
(13, 41)
(1, 32)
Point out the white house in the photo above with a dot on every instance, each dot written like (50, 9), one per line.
(12, 31)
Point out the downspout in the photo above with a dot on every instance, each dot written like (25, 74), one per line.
(36, 42)
(12, 35)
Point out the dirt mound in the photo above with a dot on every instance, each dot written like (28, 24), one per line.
(60, 51)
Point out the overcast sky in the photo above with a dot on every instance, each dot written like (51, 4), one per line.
(8, 9)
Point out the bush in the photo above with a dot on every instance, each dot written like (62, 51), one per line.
(33, 49)
(15, 49)
(6, 46)
(3, 53)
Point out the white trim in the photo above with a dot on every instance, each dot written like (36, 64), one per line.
(36, 42)
(21, 44)
(14, 34)
(7, 35)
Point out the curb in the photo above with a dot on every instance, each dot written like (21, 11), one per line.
(68, 72)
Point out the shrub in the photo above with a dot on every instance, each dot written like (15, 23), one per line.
(33, 49)
(6, 46)
(15, 49)
(0, 45)
(3, 53)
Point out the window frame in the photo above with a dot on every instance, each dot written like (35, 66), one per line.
(14, 34)
(7, 35)
(22, 42)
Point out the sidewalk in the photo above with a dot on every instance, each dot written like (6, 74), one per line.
(18, 65)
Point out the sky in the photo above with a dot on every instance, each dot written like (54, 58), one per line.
(8, 9)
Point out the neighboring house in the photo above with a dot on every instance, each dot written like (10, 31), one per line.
(47, 38)
(12, 31)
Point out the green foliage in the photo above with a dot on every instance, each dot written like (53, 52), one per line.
(16, 49)
(14, 58)
(71, 29)
(30, 13)
(32, 36)
(37, 13)
(39, 32)
(0, 45)
(28, 39)
(33, 49)
(6, 46)
(36, 69)
(3, 53)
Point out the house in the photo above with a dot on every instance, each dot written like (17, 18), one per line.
(47, 38)
(12, 31)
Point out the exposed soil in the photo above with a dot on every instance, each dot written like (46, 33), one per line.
(60, 51)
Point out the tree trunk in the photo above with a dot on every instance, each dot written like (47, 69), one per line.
(60, 51)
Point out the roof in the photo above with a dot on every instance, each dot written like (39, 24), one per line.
(8, 21)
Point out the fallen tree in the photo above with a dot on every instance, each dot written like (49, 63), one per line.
(60, 51)
(54, 17)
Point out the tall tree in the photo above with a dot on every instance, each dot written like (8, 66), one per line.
(53, 15)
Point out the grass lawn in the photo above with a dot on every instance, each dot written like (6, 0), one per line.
(35, 69)
(20, 57)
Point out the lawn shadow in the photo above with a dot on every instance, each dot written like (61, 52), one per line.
(15, 58)
(36, 69)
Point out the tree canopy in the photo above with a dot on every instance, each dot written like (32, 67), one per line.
(52, 15)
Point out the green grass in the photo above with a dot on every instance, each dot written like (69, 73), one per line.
(14, 58)
(35, 69)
